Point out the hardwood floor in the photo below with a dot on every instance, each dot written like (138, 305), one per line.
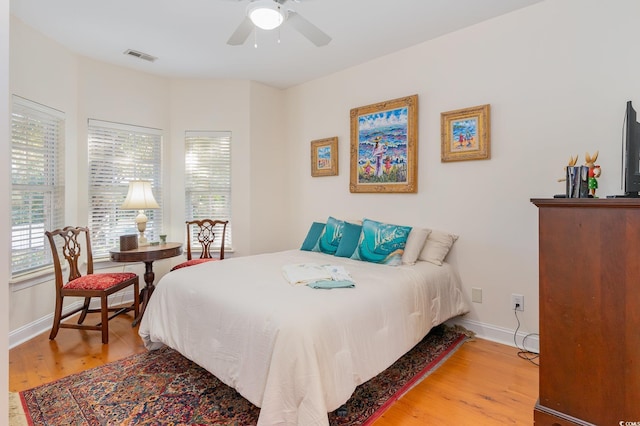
(483, 383)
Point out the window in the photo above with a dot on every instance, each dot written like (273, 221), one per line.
(37, 182)
(118, 154)
(208, 178)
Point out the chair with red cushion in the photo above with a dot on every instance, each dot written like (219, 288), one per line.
(204, 231)
(70, 241)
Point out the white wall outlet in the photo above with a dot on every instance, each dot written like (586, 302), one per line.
(476, 295)
(517, 302)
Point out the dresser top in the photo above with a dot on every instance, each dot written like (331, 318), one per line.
(587, 202)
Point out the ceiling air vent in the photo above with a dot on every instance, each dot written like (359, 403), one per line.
(140, 55)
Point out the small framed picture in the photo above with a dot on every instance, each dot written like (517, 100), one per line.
(466, 134)
(324, 157)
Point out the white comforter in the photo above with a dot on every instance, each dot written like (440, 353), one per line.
(297, 352)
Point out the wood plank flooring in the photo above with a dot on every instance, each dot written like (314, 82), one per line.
(483, 383)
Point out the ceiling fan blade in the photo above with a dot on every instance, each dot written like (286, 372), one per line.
(307, 29)
(241, 33)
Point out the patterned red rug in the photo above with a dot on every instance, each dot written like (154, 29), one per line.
(163, 387)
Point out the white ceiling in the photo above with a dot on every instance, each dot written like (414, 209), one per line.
(189, 36)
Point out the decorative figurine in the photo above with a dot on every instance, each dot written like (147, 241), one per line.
(572, 162)
(594, 172)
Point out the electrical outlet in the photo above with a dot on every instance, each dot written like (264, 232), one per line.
(476, 295)
(517, 302)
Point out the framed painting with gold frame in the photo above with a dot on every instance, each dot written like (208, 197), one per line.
(384, 146)
(466, 134)
(324, 157)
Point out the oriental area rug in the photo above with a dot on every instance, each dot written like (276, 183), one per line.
(162, 387)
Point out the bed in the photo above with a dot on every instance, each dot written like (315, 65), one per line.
(295, 351)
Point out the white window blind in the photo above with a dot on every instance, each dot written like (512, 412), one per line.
(37, 182)
(208, 178)
(118, 154)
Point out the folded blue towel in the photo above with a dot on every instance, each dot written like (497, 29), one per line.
(329, 284)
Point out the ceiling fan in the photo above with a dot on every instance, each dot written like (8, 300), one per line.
(270, 14)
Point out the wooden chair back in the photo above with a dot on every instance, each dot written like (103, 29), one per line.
(204, 231)
(71, 250)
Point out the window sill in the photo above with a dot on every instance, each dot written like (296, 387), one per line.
(32, 279)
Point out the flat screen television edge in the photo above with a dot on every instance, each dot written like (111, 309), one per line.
(631, 155)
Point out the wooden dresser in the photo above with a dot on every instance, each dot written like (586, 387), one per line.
(589, 261)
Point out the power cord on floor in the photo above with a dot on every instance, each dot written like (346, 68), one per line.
(522, 351)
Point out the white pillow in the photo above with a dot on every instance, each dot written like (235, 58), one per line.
(437, 247)
(354, 221)
(415, 242)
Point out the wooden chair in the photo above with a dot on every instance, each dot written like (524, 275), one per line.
(89, 285)
(205, 233)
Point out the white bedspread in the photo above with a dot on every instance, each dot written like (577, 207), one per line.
(297, 352)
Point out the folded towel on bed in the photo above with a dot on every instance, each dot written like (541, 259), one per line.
(329, 284)
(309, 273)
(305, 273)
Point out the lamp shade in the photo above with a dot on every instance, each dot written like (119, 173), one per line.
(139, 196)
(265, 14)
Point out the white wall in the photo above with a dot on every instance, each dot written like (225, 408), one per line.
(5, 186)
(268, 170)
(557, 76)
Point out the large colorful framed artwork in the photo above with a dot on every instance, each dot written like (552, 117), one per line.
(324, 157)
(466, 134)
(384, 146)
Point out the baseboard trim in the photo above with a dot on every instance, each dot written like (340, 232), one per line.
(482, 330)
(528, 341)
(42, 325)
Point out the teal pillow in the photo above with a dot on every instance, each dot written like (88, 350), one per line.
(349, 240)
(381, 243)
(330, 236)
(312, 236)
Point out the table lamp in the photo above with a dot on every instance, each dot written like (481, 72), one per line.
(140, 198)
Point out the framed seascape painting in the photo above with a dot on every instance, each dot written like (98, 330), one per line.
(466, 134)
(384, 146)
(324, 157)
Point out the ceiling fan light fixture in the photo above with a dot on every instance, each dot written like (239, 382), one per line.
(265, 14)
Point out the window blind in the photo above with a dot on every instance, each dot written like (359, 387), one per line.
(208, 178)
(37, 182)
(118, 154)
